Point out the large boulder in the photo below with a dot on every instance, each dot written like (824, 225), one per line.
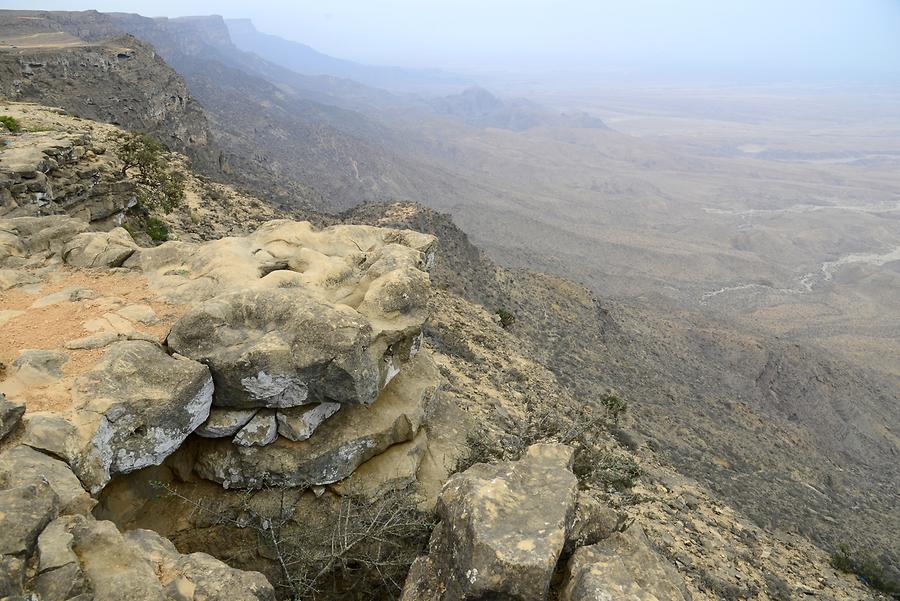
(24, 512)
(282, 348)
(198, 575)
(80, 555)
(502, 530)
(132, 409)
(341, 443)
(624, 566)
(99, 249)
(22, 465)
(292, 315)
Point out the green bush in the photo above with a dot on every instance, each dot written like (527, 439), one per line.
(158, 186)
(156, 229)
(506, 317)
(866, 567)
(11, 123)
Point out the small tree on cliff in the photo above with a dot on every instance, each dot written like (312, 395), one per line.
(159, 186)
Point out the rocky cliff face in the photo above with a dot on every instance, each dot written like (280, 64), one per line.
(116, 79)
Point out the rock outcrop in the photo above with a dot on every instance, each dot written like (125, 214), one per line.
(11, 413)
(502, 530)
(132, 409)
(43, 173)
(51, 548)
(624, 566)
(339, 445)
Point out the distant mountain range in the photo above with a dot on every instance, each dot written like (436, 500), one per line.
(308, 61)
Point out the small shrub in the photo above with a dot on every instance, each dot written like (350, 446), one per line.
(777, 588)
(506, 317)
(614, 407)
(10, 123)
(867, 568)
(156, 229)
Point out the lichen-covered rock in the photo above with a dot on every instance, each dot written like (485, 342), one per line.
(138, 405)
(502, 530)
(22, 465)
(282, 348)
(11, 413)
(132, 409)
(12, 577)
(352, 436)
(299, 423)
(624, 566)
(99, 249)
(24, 512)
(259, 431)
(223, 423)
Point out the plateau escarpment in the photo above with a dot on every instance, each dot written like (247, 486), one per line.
(286, 412)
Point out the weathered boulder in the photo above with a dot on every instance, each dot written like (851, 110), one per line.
(11, 413)
(394, 469)
(99, 249)
(198, 575)
(24, 512)
(26, 239)
(594, 521)
(22, 465)
(282, 348)
(291, 315)
(139, 565)
(624, 566)
(352, 436)
(223, 423)
(59, 571)
(502, 530)
(132, 409)
(299, 423)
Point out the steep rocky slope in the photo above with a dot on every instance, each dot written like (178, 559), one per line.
(292, 400)
(796, 438)
(89, 64)
(118, 80)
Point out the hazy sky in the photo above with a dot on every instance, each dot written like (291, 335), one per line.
(802, 36)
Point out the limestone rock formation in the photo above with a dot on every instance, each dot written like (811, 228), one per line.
(43, 173)
(99, 249)
(131, 410)
(502, 530)
(11, 413)
(623, 566)
(340, 444)
(280, 348)
(22, 465)
(290, 315)
(49, 556)
(24, 512)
